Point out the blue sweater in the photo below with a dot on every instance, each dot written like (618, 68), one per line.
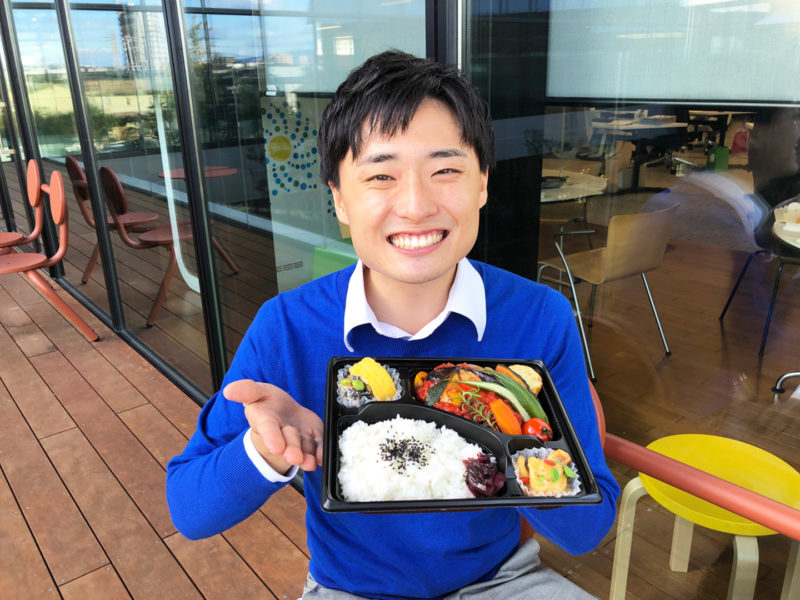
(213, 485)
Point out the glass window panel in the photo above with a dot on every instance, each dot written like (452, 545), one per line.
(260, 84)
(605, 108)
(707, 51)
(285, 5)
(42, 57)
(125, 70)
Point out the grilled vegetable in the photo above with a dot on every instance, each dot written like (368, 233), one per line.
(530, 404)
(531, 377)
(475, 409)
(435, 392)
(501, 391)
(506, 371)
(505, 417)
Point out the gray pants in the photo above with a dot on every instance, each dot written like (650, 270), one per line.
(521, 577)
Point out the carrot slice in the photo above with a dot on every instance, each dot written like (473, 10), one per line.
(506, 371)
(506, 420)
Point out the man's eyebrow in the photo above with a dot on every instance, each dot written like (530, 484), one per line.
(448, 153)
(381, 157)
(376, 158)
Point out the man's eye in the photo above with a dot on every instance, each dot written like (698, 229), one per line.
(380, 178)
(447, 171)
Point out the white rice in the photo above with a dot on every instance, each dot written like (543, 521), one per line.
(403, 459)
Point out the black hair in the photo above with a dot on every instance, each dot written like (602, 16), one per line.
(385, 92)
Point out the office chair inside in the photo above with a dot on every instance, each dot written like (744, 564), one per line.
(635, 245)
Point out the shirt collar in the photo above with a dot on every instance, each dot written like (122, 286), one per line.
(467, 297)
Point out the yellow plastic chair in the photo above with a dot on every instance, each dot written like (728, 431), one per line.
(635, 245)
(735, 461)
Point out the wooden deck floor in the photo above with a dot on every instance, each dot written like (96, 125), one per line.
(87, 430)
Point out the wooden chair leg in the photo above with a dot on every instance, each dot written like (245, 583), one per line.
(791, 581)
(633, 491)
(162, 291)
(225, 256)
(62, 306)
(745, 568)
(87, 273)
(681, 544)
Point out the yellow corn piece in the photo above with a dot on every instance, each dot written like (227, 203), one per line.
(376, 377)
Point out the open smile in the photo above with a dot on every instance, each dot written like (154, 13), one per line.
(411, 241)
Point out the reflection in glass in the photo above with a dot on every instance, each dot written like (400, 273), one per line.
(44, 65)
(261, 73)
(125, 72)
(260, 83)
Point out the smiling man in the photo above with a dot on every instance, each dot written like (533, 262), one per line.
(406, 147)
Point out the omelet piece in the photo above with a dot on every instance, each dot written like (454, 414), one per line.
(546, 477)
(376, 377)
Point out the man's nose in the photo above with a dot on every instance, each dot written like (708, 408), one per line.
(415, 199)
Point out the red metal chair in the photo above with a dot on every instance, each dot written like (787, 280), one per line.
(157, 236)
(9, 239)
(29, 262)
(134, 220)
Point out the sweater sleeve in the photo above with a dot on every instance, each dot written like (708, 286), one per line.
(213, 485)
(577, 529)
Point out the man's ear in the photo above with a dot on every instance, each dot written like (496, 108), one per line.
(338, 205)
(484, 192)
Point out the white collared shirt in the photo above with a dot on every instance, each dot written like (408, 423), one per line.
(467, 297)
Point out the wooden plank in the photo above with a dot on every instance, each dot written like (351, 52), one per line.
(287, 510)
(177, 355)
(63, 537)
(28, 577)
(140, 474)
(43, 412)
(273, 556)
(216, 569)
(181, 411)
(161, 438)
(84, 356)
(101, 584)
(19, 325)
(136, 551)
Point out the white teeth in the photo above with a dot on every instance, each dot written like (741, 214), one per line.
(412, 242)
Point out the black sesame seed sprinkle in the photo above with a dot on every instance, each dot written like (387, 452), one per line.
(404, 453)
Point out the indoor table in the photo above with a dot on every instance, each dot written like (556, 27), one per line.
(641, 132)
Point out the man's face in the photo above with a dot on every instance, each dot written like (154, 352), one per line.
(412, 200)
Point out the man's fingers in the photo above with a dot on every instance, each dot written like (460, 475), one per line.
(310, 451)
(245, 391)
(270, 431)
(319, 452)
(293, 453)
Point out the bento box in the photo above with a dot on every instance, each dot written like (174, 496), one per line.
(357, 422)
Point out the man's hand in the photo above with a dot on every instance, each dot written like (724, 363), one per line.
(283, 432)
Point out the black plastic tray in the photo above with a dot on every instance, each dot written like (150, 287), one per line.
(502, 446)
